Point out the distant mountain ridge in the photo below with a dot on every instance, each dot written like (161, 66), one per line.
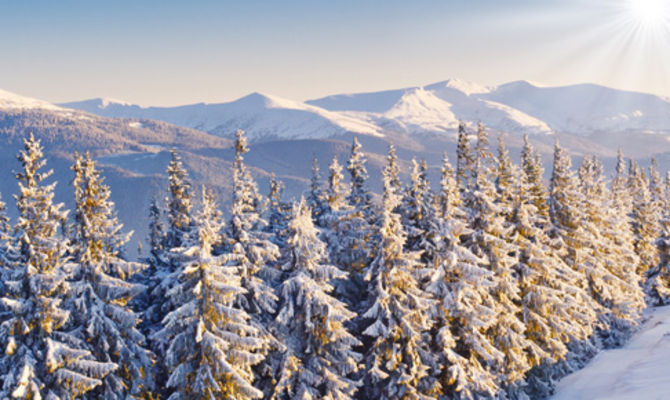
(516, 107)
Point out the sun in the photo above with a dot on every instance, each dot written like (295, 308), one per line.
(650, 13)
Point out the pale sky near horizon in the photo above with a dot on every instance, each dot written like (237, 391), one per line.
(169, 52)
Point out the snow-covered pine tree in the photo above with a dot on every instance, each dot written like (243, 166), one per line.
(40, 359)
(568, 217)
(448, 200)
(612, 280)
(179, 203)
(100, 290)
(279, 213)
(393, 169)
(464, 159)
(246, 233)
(349, 229)
(320, 361)
(316, 197)
(398, 360)
(356, 229)
(505, 179)
(213, 343)
(359, 197)
(158, 276)
(645, 222)
(335, 193)
(531, 165)
(8, 256)
(490, 239)
(658, 283)
(464, 311)
(417, 203)
(555, 312)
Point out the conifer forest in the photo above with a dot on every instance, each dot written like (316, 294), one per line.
(489, 284)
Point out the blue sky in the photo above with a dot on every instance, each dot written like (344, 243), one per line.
(177, 52)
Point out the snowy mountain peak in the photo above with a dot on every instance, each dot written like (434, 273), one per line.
(9, 100)
(107, 101)
(463, 86)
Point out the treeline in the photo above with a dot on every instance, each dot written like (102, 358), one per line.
(492, 286)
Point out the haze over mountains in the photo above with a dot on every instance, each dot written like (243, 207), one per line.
(132, 142)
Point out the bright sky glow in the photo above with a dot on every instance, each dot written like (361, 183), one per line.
(169, 52)
(650, 13)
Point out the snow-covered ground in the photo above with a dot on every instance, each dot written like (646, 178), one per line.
(637, 371)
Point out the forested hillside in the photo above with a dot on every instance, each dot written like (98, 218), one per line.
(491, 285)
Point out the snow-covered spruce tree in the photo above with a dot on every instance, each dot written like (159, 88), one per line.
(505, 179)
(158, 276)
(279, 213)
(246, 234)
(393, 169)
(316, 197)
(179, 203)
(356, 225)
(658, 282)
(40, 359)
(464, 159)
(417, 203)
(349, 229)
(100, 290)
(531, 165)
(490, 239)
(448, 200)
(5, 243)
(320, 361)
(398, 360)
(212, 343)
(566, 208)
(645, 222)
(335, 193)
(612, 280)
(554, 311)
(463, 355)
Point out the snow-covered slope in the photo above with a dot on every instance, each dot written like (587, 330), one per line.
(583, 109)
(11, 101)
(639, 370)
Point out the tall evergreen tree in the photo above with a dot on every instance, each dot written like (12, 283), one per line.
(448, 201)
(246, 228)
(566, 207)
(531, 165)
(611, 276)
(417, 203)
(464, 159)
(100, 290)
(41, 359)
(315, 198)
(179, 203)
(464, 310)
(213, 344)
(279, 213)
(312, 321)
(490, 239)
(645, 222)
(397, 361)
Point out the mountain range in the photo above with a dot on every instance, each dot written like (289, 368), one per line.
(516, 108)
